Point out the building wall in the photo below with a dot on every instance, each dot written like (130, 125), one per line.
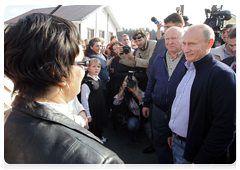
(98, 21)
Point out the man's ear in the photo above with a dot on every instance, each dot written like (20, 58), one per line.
(180, 25)
(210, 43)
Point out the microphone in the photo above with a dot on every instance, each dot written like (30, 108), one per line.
(85, 63)
(154, 19)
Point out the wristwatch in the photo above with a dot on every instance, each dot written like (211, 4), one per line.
(134, 58)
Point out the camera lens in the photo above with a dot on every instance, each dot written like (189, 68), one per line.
(131, 84)
(126, 49)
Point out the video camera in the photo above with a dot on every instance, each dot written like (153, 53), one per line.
(215, 21)
(130, 82)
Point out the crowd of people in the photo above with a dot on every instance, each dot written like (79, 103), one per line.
(178, 88)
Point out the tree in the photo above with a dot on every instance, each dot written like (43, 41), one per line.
(130, 32)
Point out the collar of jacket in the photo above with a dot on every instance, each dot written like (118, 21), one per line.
(204, 62)
(145, 46)
(49, 114)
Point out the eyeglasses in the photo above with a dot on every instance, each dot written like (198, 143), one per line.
(139, 37)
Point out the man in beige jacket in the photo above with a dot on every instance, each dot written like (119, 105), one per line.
(144, 52)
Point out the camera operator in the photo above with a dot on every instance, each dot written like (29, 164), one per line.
(141, 59)
(225, 32)
(226, 50)
(131, 97)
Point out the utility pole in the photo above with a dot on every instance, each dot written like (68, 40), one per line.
(55, 9)
(182, 9)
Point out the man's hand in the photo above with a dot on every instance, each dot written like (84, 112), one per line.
(159, 25)
(145, 112)
(193, 166)
(169, 140)
(129, 56)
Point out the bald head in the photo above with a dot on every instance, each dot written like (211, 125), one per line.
(197, 42)
(205, 30)
(173, 40)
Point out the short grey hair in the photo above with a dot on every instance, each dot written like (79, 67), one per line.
(180, 30)
(208, 32)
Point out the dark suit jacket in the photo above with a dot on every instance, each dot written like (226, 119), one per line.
(229, 61)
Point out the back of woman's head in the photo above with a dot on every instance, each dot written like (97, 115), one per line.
(88, 50)
(38, 52)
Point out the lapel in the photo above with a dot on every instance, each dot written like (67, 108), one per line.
(49, 114)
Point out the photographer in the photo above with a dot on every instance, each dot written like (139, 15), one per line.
(131, 97)
(141, 59)
(126, 41)
(119, 72)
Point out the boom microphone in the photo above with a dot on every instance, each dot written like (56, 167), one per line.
(154, 19)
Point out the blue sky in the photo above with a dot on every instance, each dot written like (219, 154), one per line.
(133, 15)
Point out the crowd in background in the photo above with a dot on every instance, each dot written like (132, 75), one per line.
(138, 82)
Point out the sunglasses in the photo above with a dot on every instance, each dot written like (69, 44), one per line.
(139, 37)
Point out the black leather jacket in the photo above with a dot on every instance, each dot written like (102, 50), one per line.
(45, 136)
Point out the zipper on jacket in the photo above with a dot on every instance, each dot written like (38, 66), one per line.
(168, 78)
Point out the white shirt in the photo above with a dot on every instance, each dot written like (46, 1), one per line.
(85, 92)
(71, 110)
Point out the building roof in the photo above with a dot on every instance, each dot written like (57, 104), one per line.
(72, 13)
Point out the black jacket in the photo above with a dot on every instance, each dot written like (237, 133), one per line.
(212, 119)
(45, 136)
(120, 70)
(229, 61)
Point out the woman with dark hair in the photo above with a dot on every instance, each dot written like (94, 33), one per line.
(120, 71)
(93, 50)
(40, 51)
